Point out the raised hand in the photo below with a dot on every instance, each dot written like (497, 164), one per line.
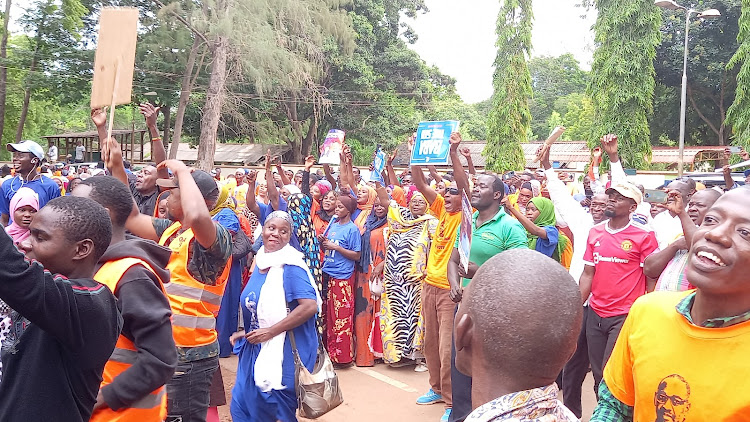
(609, 143)
(597, 154)
(150, 112)
(174, 165)
(455, 140)
(250, 177)
(268, 159)
(465, 151)
(99, 116)
(674, 203)
(309, 162)
(391, 157)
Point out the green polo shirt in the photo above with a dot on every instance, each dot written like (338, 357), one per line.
(498, 234)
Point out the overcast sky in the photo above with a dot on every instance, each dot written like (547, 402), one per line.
(459, 37)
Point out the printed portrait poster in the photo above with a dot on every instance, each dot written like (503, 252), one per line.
(432, 144)
(332, 147)
(464, 239)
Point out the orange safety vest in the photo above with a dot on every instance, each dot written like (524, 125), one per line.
(153, 407)
(194, 304)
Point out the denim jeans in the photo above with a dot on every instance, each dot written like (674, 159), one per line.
(188, 390)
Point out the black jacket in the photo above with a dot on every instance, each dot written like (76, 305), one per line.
(66, 335)
(146, 314)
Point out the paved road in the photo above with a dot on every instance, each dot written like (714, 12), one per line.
(380, 394)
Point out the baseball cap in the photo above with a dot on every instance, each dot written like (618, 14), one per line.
(627, 190)
(27, 146)
(206, 184)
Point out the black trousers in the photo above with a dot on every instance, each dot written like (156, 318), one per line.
(601, 335)
(575, 371)
(460, 388)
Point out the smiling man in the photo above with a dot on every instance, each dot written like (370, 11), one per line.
(64, 325)
(668, 265)
(27, 157)
(683, 355)
(613, 273)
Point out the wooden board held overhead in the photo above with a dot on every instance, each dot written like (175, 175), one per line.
(118, 32)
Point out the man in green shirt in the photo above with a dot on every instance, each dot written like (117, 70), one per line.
(492, 231)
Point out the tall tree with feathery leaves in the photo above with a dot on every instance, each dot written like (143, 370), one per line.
(622, 74)
(509, 118)
(738, 114)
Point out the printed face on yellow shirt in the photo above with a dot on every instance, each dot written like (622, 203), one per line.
(672, 399)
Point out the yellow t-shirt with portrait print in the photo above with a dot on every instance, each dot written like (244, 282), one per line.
(669, 369)
(240, 193)
(442, 244)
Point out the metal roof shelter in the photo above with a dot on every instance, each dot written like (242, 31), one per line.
(131, 140)
(570, 152)
(232, 154)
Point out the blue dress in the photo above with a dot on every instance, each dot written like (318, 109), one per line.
(226, 320)
(249, 404)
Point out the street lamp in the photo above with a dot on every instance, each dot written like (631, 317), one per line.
(710, 13)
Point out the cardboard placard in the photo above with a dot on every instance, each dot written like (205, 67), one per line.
(118, 33)
(432, 144)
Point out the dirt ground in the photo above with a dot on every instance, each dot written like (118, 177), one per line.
(381, 393)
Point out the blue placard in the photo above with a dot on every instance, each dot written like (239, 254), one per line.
(432, 144)
(378, 164)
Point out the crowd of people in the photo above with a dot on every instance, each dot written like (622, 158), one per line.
(121, 291)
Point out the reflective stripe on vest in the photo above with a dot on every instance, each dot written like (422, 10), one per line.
(152, 407)
(194, 304)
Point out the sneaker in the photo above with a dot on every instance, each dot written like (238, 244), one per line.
(430, 397)
(421, 367)
(446, 415)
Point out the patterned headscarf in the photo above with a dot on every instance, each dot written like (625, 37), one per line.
(299, 207)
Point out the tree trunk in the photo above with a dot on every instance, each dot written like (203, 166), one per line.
(26, 100)
(294, 143)
(4, 70)
(166, 110)
(185, 88)
(307, 141)
(214, 103)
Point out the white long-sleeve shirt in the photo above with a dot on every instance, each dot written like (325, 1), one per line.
(574, 215)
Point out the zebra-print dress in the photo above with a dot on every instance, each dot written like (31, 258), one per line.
(407, 249)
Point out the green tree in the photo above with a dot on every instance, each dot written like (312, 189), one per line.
(578, 118)
(552, 78)
(622, 74)
(711, 83)
(509, 117)
(738, 114)
(55, 27)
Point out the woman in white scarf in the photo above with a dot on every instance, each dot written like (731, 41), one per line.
(280, 296)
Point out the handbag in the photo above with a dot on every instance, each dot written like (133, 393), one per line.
(318, 391)
(376, 287)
